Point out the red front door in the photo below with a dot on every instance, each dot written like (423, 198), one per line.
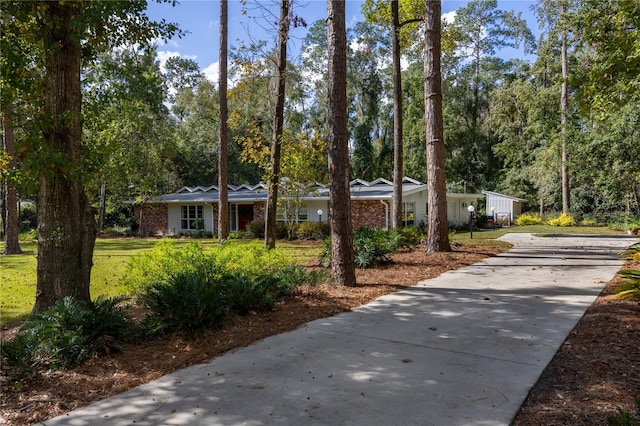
(245, 216)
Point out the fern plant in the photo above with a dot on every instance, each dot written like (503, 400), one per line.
(70, 332)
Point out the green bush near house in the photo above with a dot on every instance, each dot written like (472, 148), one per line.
(185, 287)
(372, 246)
(190, 289)
(166, 260)
(313, 231)
(188, 300)
(163, 261)
(256, 229)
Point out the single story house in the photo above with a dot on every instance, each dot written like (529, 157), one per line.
(195, 208)
(505, 208)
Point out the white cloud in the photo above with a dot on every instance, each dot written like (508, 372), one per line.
(212, 72)
(449, 17)
(164, 55)
(404, 63)
(159, 41)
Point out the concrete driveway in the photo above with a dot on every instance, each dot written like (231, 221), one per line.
(460, 349)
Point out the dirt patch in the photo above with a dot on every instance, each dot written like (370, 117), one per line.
(569, 392)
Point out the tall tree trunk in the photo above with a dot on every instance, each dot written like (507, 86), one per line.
(564, 101)
(66, 223)
(278, 124)
(10, 214)
(342, 259)
(396, 219)
(223, 143)
(438, 227)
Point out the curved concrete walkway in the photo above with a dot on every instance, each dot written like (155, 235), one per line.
(460, 349)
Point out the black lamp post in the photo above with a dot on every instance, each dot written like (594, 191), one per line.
(471, 210)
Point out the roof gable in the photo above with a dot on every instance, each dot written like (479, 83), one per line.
(510, 197)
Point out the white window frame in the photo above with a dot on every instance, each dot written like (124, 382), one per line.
(408, 208)
(189, 214)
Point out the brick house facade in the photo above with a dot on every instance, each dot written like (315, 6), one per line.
(176, 213)
(370, 213)
(152, 219)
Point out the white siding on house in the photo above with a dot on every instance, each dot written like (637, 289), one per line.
(420, 206)
(502, 205)
(457, 205)
(505, 206)
(175, 218)
(378, 191)
(312, 208)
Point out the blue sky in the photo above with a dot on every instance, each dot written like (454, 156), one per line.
(201, 19)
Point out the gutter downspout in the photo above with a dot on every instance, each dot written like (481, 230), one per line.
(386, 213)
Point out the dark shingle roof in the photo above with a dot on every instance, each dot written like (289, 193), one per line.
(360, 190)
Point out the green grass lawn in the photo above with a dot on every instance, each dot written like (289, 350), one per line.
(111, 255)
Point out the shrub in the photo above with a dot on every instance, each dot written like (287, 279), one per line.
(292, 276)
(190, 290)
(256, 229)
(623, 222)
(251, 259)
(283, 230)
(122, 231)
(237, 235)
(201, 233)
(313, 230)
(371, 246)
(163, 261)
(259, 292)
(188, 300)
(588, 222)
(529, 219)
(245, 294)
(562, 220)
(414, 234)
(70, 332)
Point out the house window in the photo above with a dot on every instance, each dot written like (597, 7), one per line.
(302, 215)
(192, 218)
(408, 216)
